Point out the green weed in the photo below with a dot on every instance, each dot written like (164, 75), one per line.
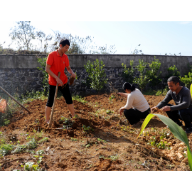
(73, 139)
(87, 128)
(30, 166)
(111, 97)
(101, 140)
(109, 111)
(6, 122)
(6, 149)
(45, 139)
(79, 99)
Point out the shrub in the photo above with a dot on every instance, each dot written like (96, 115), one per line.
(173, 71)
(96, 74)
(187, 79)
(142, 80)
(146, 76)
(152, 74)
(128, 73)
(42, 62)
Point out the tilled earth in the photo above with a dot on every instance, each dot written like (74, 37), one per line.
(97, 139)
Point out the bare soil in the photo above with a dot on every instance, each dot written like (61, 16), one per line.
(96, 140)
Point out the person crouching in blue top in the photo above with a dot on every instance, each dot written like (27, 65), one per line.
(137, 107)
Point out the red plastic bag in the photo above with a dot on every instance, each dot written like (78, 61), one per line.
(3, 105)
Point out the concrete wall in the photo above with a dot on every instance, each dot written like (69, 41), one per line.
(116, 60)
(18, 73)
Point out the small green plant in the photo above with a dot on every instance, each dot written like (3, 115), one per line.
(96, 74)
(152, 141)
(109, 111)
(73, 139)
(45, 139)
(6, 149)
(101, 140)
(32, 144)
(79, 99)
(162, 145)
(39, 156)
(113, 158)
(30, 166)
(111, 97)
(19, 148)
(87, 128)
(88, 145)
(6, 121)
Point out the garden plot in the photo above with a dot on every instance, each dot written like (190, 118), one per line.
(98, 138)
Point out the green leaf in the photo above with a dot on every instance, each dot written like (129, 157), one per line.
(191, 90)
(177, 131)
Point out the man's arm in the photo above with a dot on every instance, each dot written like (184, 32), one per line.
(162, 104)
(166, 100)
(186, 101)
(71, 71)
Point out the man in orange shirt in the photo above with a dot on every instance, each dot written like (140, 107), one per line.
(56, 62)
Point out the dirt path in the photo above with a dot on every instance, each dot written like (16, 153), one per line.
(97, 139)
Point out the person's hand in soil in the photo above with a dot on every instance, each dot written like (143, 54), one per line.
(121, 110)
(154, 109)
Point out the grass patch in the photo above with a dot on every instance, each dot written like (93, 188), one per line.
(6, 149)
(79, 99)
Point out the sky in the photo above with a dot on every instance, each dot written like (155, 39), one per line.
(154, 37)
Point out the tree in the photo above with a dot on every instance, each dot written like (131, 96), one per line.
(106, 50)
(74, 49)
(23, 33)
(137, 51)
(40, 36)
(80, 45)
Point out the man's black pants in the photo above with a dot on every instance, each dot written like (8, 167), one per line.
(134, 115)
(183, 114)
(64, 90)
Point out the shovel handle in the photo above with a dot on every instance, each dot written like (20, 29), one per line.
(14, 99)
(51, 118)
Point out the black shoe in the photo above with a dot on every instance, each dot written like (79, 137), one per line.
(188, 130)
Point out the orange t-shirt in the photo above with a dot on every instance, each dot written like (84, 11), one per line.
(58, 64)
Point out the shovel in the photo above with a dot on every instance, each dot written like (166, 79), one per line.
(51, 118)
(15, 99)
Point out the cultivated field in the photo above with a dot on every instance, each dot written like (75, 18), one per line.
(97, 139)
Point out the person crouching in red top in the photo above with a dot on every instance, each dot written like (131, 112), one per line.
(56, 62)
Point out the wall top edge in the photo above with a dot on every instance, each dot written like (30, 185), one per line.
(99, 55)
